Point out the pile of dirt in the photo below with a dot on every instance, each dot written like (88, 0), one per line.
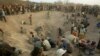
(12, 29)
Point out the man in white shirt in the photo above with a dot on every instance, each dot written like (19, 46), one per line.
(3, 15)
(46, 44)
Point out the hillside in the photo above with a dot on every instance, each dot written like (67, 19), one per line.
(12, 29)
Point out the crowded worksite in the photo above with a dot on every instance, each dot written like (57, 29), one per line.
(49, 28)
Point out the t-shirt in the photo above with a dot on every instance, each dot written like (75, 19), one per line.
(64, 44)
(82, 31)
(47, 44)
(38, 44)
(3, 13)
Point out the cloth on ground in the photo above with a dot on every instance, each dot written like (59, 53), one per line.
(60, 52)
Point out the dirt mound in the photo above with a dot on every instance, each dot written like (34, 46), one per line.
(12, 28)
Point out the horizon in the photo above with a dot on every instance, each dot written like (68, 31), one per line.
(88, 2)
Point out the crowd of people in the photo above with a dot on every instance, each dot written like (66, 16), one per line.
(64, 47)
(45, 43)
(11, 9)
